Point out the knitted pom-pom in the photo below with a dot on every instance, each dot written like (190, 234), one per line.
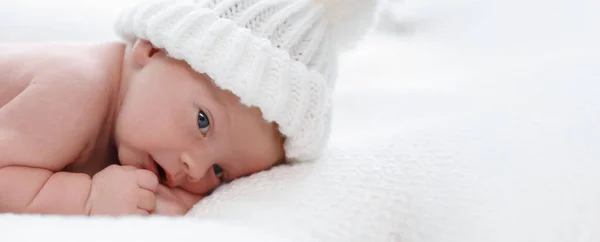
(350, 20)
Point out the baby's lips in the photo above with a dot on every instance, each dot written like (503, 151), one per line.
(170, 179)
(174, 180)
(151, 165)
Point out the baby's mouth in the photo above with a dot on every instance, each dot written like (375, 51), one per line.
(162, 175)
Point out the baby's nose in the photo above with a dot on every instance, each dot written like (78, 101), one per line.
(200, 175)
(194, 168)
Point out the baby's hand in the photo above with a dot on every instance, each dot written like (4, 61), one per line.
(122, 190)
(174, 201)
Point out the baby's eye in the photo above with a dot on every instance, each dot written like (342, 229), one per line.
(218, 171)
(203, 122)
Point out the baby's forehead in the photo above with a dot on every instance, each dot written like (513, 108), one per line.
(253, 137)
(250, 117)
(251, 122)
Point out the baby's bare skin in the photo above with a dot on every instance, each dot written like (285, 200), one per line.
(69, 112)
(52, 114)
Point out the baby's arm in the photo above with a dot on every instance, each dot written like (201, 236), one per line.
(116, 190)
(37, 190)
(44, 129)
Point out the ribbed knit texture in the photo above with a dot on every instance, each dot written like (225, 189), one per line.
(277, 55)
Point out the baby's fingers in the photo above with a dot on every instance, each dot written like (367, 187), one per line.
(143, 212)
(147, 180)
(146, 200)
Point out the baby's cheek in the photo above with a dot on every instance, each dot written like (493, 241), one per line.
(199, 188)
(126, 156)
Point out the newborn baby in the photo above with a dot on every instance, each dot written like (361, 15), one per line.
(69, 112)
(199, 93)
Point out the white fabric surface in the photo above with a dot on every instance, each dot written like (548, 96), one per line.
(25, 228)
(483, 125)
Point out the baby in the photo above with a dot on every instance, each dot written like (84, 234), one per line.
(200, 93)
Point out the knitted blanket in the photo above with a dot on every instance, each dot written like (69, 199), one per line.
(483, 126)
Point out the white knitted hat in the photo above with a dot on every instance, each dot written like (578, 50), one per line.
(277, 55)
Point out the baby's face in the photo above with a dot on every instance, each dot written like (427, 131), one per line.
(178, 124)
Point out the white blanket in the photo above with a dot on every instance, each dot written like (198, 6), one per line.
(483, 125)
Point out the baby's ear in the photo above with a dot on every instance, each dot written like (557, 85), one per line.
(143, 51)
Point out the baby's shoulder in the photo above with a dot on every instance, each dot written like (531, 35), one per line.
(66, 68)
(61, 94)
(58, 63)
